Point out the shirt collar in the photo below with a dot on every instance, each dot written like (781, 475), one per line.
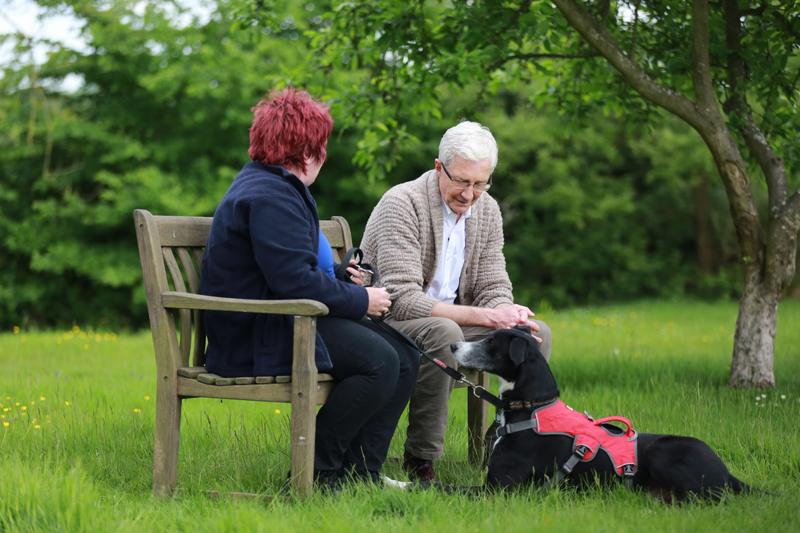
(450, 215)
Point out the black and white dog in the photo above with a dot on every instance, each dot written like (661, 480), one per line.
(670, 467)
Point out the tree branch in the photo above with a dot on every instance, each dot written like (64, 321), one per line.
(755, 11)
(791, 211)
(499, 62)
(581, 55)
(598, 36)
(701, 74)
(634, 30)
(770, 164)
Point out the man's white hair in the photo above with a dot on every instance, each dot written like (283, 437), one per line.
(468, 140)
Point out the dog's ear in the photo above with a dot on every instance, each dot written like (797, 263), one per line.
(518, 350)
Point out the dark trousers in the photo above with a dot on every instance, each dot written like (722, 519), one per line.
(374, 375)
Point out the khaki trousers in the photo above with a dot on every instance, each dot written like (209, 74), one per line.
(427, 411)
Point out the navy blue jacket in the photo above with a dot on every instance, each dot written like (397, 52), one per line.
(263, 245)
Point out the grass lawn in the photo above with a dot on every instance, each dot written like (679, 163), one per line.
(77, 433)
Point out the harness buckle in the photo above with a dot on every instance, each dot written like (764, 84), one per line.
(581, 450)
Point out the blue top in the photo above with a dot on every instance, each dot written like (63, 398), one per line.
(325, 255)
(263, 245)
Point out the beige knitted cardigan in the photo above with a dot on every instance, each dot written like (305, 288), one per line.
(403, 239)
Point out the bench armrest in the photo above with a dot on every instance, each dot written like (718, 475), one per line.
(187, 300)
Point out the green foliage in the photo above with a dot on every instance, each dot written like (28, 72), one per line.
(88, 465)
(154, 112)
(406, 52)
(601, 213)
(159, 120)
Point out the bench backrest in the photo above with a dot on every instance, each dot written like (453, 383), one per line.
(171, 252)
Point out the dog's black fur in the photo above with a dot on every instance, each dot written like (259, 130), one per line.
(670, 467)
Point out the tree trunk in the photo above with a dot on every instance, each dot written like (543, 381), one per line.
(768, 257)
(754, 341)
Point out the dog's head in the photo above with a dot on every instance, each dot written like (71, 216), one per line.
(514, 356)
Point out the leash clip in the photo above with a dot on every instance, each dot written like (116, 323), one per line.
(475, 389)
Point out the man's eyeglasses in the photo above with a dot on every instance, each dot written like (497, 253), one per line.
(479, 186)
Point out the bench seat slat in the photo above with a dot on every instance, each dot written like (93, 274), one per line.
(195, 372)
(275, 392)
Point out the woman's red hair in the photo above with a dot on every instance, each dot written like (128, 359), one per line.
(288, 128)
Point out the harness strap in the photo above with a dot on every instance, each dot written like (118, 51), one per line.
(629, 431)
(516, 427)
(566, 469)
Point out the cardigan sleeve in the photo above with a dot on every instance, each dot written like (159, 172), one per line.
(392, 237)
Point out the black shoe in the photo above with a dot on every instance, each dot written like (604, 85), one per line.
(357, 475)
(328, 481)
(419, 470)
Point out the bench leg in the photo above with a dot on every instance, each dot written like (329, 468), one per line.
(167, 439)
(303, 434)
(304, 421)
(477, 422)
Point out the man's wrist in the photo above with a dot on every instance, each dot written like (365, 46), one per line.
(489, 320)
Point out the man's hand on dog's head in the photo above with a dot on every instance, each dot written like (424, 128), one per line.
(509, 315)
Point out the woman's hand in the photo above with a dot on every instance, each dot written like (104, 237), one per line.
(356, 275)
(379, 302)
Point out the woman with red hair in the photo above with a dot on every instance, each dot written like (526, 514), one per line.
(264, 244)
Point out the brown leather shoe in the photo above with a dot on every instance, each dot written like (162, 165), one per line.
(419, 470)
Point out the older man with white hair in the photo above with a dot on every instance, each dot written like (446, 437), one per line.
(437, 242)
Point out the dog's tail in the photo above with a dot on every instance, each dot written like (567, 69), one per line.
(737, 486)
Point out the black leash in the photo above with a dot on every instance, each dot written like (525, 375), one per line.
(357, 255)
(478, 391)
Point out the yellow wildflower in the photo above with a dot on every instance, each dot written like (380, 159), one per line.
(24, 407)
(66, 402)
(147, 397)
(17, 404)
(37, 426)
(15, 330)
(6, 423)
(137, 410)
(42, 398)
(277, 411)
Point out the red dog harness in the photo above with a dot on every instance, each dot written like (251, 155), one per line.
(557, 418)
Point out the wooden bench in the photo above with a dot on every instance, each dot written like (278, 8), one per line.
(171, 250)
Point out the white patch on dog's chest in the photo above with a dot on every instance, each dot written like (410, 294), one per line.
(505, 386)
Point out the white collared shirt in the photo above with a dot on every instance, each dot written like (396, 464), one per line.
(444, 285)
